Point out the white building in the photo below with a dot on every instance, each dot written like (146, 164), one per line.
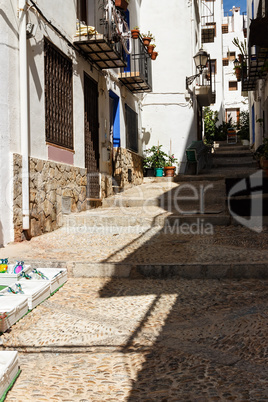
(171, 114)
(70, 115)
(233, 27)
(256, 80)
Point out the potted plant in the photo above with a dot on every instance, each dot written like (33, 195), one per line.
(169, 166)
(135, 32)
(154, 55)
(150, 48)
(237, 72)
(156, 158)
(243, 127)
(123, 4)
(147, 38)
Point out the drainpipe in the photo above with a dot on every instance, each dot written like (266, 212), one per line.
(24, 115)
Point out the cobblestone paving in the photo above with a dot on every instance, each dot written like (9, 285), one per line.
(223, 245)
(145, 340)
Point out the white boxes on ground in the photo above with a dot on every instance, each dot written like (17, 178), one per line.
(56, 276)
(11, 310)
(35, 291)
(8, 277)
(9, 370)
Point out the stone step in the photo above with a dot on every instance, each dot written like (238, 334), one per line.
(234, 162)
(234, 154)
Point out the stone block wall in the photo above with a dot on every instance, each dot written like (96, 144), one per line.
(49, 183)
(123, 161)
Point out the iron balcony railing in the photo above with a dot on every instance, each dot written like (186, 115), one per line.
(137, 75)
(255, 64)
(103, 35)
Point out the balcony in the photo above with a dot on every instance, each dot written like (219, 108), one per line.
(137, 76)
(99, 38)
(204, 89)
(256, 63)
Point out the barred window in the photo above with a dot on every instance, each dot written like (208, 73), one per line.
(225, 62)
(224, 28)
(131, 129)
(58, 97)
(232, 85)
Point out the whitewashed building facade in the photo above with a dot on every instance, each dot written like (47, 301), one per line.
(69, 123)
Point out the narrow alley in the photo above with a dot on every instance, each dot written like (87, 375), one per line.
(166, 299)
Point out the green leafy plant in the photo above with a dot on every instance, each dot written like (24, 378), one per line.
(243, 126)
(155, 157)
(210, 120)
(171, 161)
(148, 35)
(242, 46)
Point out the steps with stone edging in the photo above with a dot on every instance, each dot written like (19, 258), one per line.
(166, 208)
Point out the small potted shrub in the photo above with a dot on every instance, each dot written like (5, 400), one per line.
(135, 32)
(156, 158)
(147, 38)
(169, 166)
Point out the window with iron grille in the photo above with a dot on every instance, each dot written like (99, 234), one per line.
(232, 85)
(58, 97)
(224, 28)
(131, 129)
(225, 62)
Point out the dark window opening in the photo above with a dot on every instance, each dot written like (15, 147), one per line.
(82, 11)
(131, 129)
(232, 85)
(224, 28)
(58, 97)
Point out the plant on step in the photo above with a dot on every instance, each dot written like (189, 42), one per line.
(210, 120)
(171, 161)
(155, 157)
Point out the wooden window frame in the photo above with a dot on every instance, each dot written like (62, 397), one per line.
(225, 60)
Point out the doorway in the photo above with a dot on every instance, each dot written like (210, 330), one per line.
(92, 155)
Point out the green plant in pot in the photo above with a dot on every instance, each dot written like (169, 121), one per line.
(155, 158)
(243, 127)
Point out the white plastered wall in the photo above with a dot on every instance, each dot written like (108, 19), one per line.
(168, 117)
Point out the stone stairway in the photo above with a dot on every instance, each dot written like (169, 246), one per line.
(165, 227)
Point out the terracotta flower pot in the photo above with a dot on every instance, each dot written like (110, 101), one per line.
(135, 33)
(238, 73)
(150, 49)
(121, 4)
(146, 41)
(169, 171)
(154, 55)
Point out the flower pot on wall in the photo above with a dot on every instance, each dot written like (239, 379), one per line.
(149, 172)
(123, 4)
(135, 33)
(150, 48)
(146, 40)
(238, 73)
(154, 55)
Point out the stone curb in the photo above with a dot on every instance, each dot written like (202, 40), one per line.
(159, 271)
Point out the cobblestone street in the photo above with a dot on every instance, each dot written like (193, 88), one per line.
(144, 340)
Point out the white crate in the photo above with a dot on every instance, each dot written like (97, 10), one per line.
(9, 369)
(56, 277)
(14, 308)
(35, 291)
(8, 278)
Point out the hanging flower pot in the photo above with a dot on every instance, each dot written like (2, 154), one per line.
(146, 40)
(154, 55)
(135, 33)
(238, 73)
(150, 48)
(121, 4)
